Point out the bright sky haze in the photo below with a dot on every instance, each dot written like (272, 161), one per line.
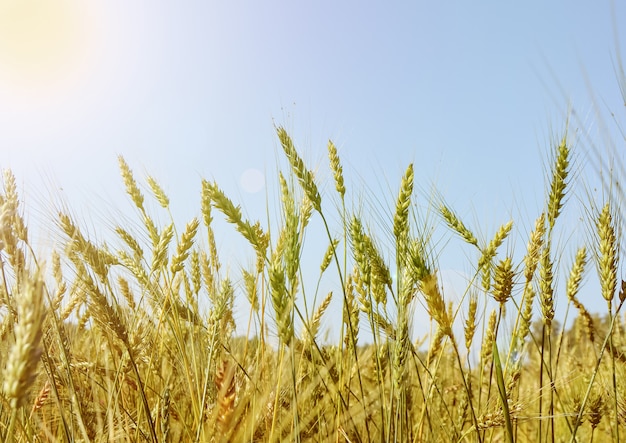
(471, 92)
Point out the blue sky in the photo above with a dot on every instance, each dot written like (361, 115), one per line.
(471, 92)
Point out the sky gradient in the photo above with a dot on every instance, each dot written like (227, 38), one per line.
(471, 92)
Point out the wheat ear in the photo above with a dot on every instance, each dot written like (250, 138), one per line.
(305, 177)
(457, 225)
(607, 263)
(226, 397)
(335, 166)
(20, 371)
(558, 185)
(24, 355)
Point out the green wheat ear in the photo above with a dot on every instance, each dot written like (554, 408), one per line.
(401, 217)
(185, 244)
(335, 166)
(305, 177)
(558, 185)
(457, 225)
(607, 264)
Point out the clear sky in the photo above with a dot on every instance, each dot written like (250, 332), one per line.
(471, 92)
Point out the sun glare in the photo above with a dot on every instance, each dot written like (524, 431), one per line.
(42, 45)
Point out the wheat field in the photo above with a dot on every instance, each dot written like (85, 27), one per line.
(137, 340)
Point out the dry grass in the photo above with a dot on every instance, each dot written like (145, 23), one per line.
(137, 342)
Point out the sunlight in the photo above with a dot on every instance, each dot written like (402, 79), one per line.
(42, 46)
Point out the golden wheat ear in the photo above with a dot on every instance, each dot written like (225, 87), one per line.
(226, 396)
(24, 356)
